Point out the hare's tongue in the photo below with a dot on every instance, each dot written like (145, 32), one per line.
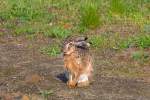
(83, 78)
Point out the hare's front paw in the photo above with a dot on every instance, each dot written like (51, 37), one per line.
(71, 84)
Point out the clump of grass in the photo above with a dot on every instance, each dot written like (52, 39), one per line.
(46, 93)
(117, 6)
(89, 14)
(141, 41)
(57, 32)
(138, 55)
(97, 41)
(125, 43)
(146, 28)
(24, 30)
(52, 50)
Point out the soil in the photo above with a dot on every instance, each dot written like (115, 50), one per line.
(26, 74)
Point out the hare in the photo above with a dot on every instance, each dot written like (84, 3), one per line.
(78, 62)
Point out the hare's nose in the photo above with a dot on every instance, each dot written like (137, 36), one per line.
(64, 51)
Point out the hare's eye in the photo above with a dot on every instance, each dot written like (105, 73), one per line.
(71, 44)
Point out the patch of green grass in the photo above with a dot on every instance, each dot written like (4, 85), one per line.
(24, 30)
(125, 43)
(124, 8)
(22, 16)
(49, 16)
(146, 28)
(97, 41)
(57, 32)
(127, 10)
(140, 55)
(89, 14)
(24, 10)
(52, 50)
(9, 24)
(116, 41)
(140, 41)
(80, 29)
(137, 55)
(117, 6)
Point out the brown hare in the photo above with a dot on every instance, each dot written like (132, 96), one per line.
(78, 62)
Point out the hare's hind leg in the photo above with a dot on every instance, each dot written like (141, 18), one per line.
(71, 83)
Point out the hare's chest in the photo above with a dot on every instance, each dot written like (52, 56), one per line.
(72, 63)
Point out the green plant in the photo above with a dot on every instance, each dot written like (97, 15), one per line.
(52, 50)
(24, 30)
(97, 41)
(89, 14)
(138, 55)
(46, 93)
(142, 41)
(125, 43)
(58, 32)
(146, 28)
(124, 7)
(117, 6)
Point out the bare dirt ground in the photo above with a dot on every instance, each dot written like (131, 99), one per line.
(24, 72)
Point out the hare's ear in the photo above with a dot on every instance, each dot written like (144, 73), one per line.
(82, 44)
(81, 39)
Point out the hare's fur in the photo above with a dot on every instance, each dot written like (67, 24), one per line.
(78, 62)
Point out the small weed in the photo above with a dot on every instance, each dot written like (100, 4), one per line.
(139, 55)
(125, 43)
(89, 14)
(142, 41)
(46, 93)
(53, 50)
